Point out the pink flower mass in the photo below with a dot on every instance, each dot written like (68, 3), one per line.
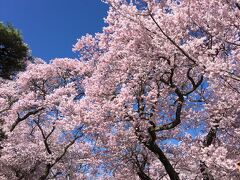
(154, 96)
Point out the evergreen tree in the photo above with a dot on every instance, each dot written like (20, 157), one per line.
(13, 51)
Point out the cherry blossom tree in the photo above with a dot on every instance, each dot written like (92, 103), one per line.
(42, 118)
(154, 96)
(165, 88)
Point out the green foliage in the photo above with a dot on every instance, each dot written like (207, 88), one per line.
(13, 51)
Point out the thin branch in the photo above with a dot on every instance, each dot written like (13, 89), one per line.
(20, 119)
(49, 166)
(171, 40)
(45, 138)
(177, 119)
(194, 85)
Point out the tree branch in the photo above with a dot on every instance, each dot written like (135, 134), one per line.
(194, 85)
(152, 146)
(171, 40)
(45, 138)
(49, 166)
(207, 142)
(142, 175)
(20, 119)
(210, 136)
(205, 172)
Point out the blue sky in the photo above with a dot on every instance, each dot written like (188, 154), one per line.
(51, 27)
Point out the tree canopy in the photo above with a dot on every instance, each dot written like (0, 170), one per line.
(154, 96)
(13, 51)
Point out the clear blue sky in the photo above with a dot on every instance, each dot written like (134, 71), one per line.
(51, 27)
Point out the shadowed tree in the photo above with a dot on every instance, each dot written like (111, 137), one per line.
(13, 51)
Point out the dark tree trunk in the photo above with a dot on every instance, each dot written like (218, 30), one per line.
(46, 173)
(152, 146)
(205, 172)
(209, 139)
(143, 176)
